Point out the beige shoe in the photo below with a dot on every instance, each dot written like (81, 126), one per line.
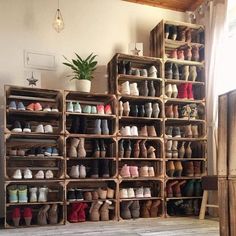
(143, 171)
(104, 210)
(151, 152)
(81, 149)
(42, 216)
(151, 131)
(53, 215)
(151, 171)
(143, 131)
(110, 193)
(94, 214)
(195, 131)
(188, 131)
(102, 193)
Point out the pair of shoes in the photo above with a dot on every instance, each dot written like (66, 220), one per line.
(173, 188)
(34, 107)
(100, 211)
(47, 215)
(185, 152)
(172, 71)
(191, 131)
(100, 168)
(146, 171)
(185, 91)
(16, 106)
(16, 216)
(38, 194)
(73, 107)
(172, 145)
(133, 171)
(189, 111)
(150, 208)
(147, 88)
(189, 73)
(51, 151)
(18, 127)
(172, 111)
(44, 129)
(76, 148)
(192, 168)
(101, 127)
(99, 148)
(17, 193)
(41, 175)
(104, 193)
(74, 194)
(174, 168)
(147, 131)
(18, 174)
(129, 89)
(41, 152)
(170, 31)
(16, 152)
(184, 34)
(129, 131)
(129, 209)
(77, 213)
(78, 172)
(171, 90)
(135, 193)
(193, 188)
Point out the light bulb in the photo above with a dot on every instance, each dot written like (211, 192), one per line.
(58, 23)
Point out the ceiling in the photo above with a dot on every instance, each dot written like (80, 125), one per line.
(177, 5)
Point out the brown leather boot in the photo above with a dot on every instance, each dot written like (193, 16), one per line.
(188, 168)
(155, 208)
(188, 151)
(178, 168)
(197, 168)
(188, 131)
(143, 149)
(169, 111)
(151, 131)
(151, 152)
(136, 150)
(182, 150)
(170, 168)
(145, 209)
(195, 131)
(169, 190)
(143, 131)
(176, 111)
(176, 188)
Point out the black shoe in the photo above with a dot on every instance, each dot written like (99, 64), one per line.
(39, 152)
(96, 149)
(102, 148)
(151, 89)
(16, 127)
(175, 72)
(134, 110)
(167, 31)
(105, 169)
(94, 169)
(71, 195)
(141, 111)
(121, 149)
(78, 195)
(143, 90)
(128, 68)
(121, 68)
(31, 152)
(75, 124)
(128, 149)
(173, 32)
(176, 131)
(168, 70)
(27, 127)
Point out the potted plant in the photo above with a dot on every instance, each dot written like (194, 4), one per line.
(82, 71)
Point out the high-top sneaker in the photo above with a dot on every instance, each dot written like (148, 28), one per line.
(105, 173)
(135, 210)
(74, 172)
(94, 169)
(127, 149)
(104, 210)
(33, 194)
(169, 188)
(94, 214)
(143, 149)
(190, 92)
(125, 171)
(136, 149)
(178, 168)
(181, 151)
(188, 54)
(168, 90)
(43, 193)
(82, 171)
(177, 188)
(105, 129)
(188, 169)
(148, 109)
(143, 89)
(145, 209)
(16, 127)
(151, 89)
(151, 152)
(170, 168)
(197, 168)
(180, 54)
(155, 110)
(169, 111)
(125, 88)
(134, 171)
(126, 110)
(168, 70)
(155, 208)
(175, 71)
(125, 210)
(121, 148)
(143, 171)
(27, 127)
(141, 111)
(192, 73)
(134, 89)
(121, 109)
(79, 195)
(73, 147)
(174, 91)
(195, 53)
(96, 149)
(71, 195)
(188, 151)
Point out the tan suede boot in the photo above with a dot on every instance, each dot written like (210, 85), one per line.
(145, 209)
(94, 214)
(104, 210)
(155, 208)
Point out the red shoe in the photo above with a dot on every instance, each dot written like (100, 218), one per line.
(182, 91)
(38, 107)
(190, 91)
(81, 213)
(30, 107)
(27, 214)
(108, 110)
(73, 216)
(16, 216)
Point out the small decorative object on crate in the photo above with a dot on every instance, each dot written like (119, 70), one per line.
(136, 49)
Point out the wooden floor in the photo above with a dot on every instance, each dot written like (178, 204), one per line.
(140, 227)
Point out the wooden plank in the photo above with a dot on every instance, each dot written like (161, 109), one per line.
(232, 206)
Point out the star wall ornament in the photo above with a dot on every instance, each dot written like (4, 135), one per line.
(135, 51)
(32, 81)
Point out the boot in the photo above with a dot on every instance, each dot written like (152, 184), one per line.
(88, 196)
(43, 194)
(151, 172)
(174, 149)
(94, 169)
(169, 111)
(141, 111)
(198, 188)
(135, 210)
(188, 54)
(195, 53)
(95, 195)
(128, 68)
(134, 110)
(22, 194)
(188, 131)
(94, 214)
(136, 149)
(121, 149)
(75, 125)
(173, 32)
(185, 73)
(126, 110)
(148, 109)
(188, 151)
(178, 168)
(176, 111)
(73, 147)
(197, 168)
(104, 210)
(167, 31)
(151, 89)
(190, 92)
(185, 112)
(121, 68)
(180, 54)
(182, 150)
(174, 91)
(192, 73)
(182, 91)
(73, 215)
(194, 131)
(155, 208)
(53, 214)
(143, 149)
(96, 148)
(105, 129)
(170, 168)
(81, 149)
(189, 36)
(188, 168)
(169, 190)
(151, 131)
(175, 72)
(33, 194)
(125, 212)
(155, 110)
(144, 89)
(16, 216)
(169, 148)
(181, 34)
(42, 216)
(97, 129)
(127, 149)
(168, 90)
(151, 152)
(145, 209)
(125, 88)
(105, 173)
(168, 70)
(188, 189)
(177, 188)
(102, 149)
(121, 109)
(81, 213)
(143, 131)
(193, 111)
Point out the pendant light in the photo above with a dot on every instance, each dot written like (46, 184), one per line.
(58, 23)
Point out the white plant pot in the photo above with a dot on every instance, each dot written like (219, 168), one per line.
(83, 85)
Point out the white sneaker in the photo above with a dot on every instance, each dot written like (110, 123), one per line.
(49, 174)
(28, 174)
(139, 192)
(74, 172)
(39, 175)
(33, 194)
(134, 89)
(152, 69)
(43, 192)
(125, 131)
(134, 131)
(39, 129)
(123, 193)
(82, 172)
(125, 89)
(131, 193)
(147, 192)
(69, 107)
(17, 174)
(48, 129)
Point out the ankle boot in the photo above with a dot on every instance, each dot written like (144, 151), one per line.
(169, 111)
(121, 149)
(178, 168)
(53, 214)
(136, 149)
(134, 171)
(188, 151)
(143, 131)
(126, 110)
(169, 148)
(169, 190)
(134, 110)
(155, 208)
(177, 188)
(168, 90)
(148, 109)
(173, 32)
(127, 149)
(185, 73)
(97, 128)
(194, 110)
(144, 89)
(121, 109)
(143, 171)
(94, 169)
(96, 148)
(141, 111)
(125, 210)
(197, 168)
(182, 150)
(88, 196)
(104, 210)
(102, 149)
(75, 125)
(198, 188)
(151, 89)
(176, 111)
(74, 172)
(81, 213)
(188, 131)
(134, 89)
(170, 168)
(195, 53)
(94, 211)
(135, 210)
(188, 168)
(190, 92)
(105, 173)
(82, 171)
(194, 129)
(182, 91)
(73, 147)
(151, 131)
(143, 149)
(42, 216)
(174, 91)
(145, 209)
(175, 72)
(105, 129)
(168, 70)
(188, 54)
(192, 73)
(151, 152)
(188, 189)
(155, 110)
(81, 149)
